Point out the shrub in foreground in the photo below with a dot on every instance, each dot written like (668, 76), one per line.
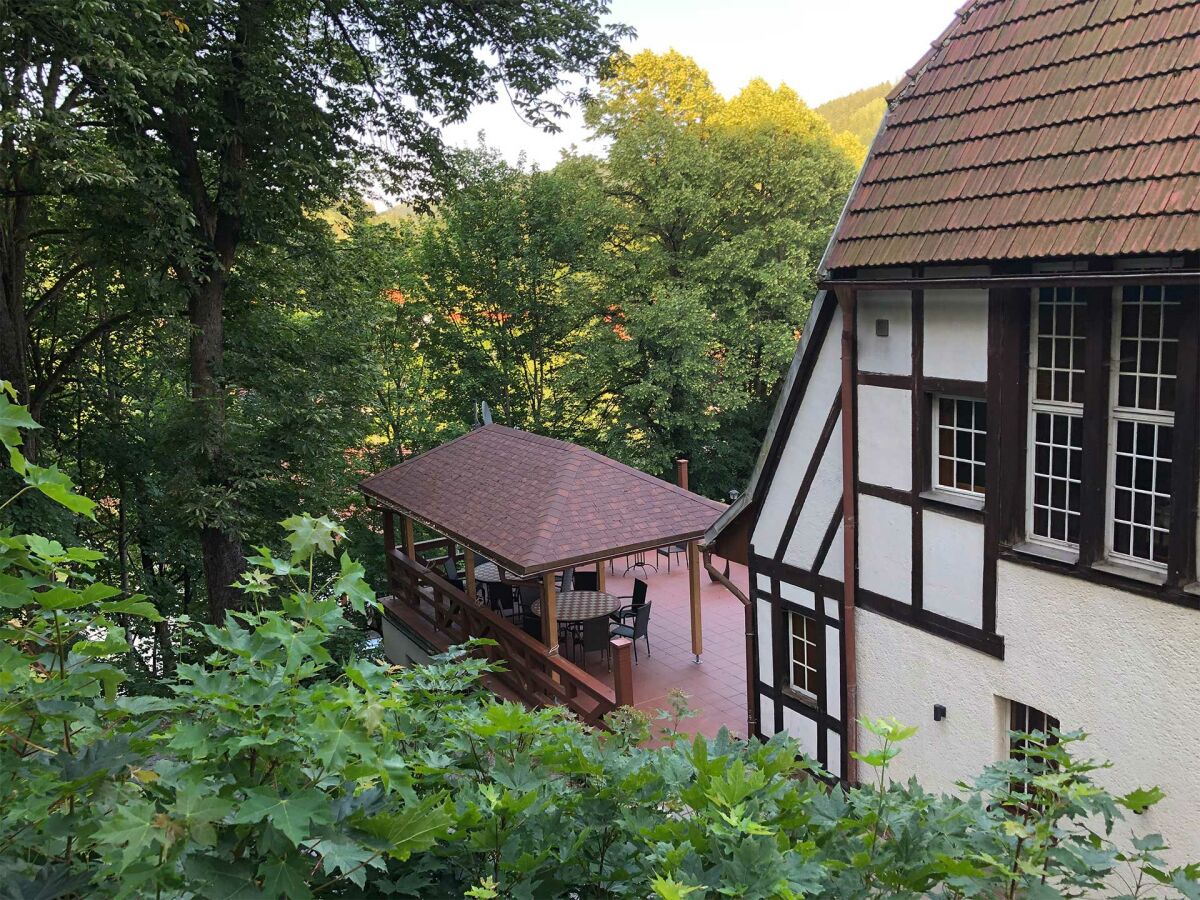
(270, 770)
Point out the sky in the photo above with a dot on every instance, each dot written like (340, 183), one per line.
(821, 48)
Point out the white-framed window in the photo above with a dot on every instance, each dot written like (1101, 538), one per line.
(960, 445)
(803, 671)
(1056, 362)
(1141, 423)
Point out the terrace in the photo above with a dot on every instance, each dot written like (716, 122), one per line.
(538, 546)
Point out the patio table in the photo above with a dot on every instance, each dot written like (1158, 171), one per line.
(489, 571)
(577, 606)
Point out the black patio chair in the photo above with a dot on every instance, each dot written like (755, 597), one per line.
(593, 634)
(527, 594)
(502, 599)
(587, 581)
(638, 598)
(566, 581)
(639, 629)
(452, 575)
(669, 551)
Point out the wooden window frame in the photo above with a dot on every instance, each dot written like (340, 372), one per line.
(1074, 408)
(935, 457)
(815, 664)
(1118, 414)
(1013, 481)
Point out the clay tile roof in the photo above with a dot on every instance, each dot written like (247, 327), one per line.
(1036, 128)
(535, 504)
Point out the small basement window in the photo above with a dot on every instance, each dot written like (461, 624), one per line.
(1025, 720)
(803, 655)
(960, 446)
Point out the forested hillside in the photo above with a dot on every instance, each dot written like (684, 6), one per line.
(216, 332)
(858, 113)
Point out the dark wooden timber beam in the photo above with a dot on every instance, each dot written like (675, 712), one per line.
(848, 301)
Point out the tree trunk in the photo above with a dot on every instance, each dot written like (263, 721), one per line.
(14, 330)
(221, 549)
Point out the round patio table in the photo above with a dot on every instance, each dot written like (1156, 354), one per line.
(489, 571)
(578, 606)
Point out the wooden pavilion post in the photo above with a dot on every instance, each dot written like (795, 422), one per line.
(693, 561)
(469, 563)
(549, 614)
(389, 543)
(601, 577)
(410, 541)
(622, 663)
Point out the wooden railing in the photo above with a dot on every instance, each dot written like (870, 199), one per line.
(525, 667)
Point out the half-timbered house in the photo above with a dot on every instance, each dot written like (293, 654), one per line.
(976, 505)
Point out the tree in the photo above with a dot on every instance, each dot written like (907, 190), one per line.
(260, 109)
(58, 175)
(724, 220)
(505, 282)
(281, 767)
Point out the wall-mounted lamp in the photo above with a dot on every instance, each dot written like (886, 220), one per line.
(939, 712)
(881, 328)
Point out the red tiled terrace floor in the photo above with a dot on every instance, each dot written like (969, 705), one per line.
(716, 688)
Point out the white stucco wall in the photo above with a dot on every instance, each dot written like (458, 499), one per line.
(885, 548)
(765, 649)
(1124, 668)
(885, 436)
(824, 497)
(892, 354)
(814, 409)
(952, 567)
(956, 334)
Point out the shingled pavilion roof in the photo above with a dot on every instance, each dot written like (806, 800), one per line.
(535, 504)
(1037, 128)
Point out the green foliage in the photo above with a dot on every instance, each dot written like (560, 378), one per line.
(271, 771)
(858, 113)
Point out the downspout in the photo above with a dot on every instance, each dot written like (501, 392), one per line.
(847, 300)
(721, 578)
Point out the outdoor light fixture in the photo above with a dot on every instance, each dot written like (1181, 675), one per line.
(881, 328)
(939, 712)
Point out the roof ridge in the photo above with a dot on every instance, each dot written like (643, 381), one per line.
(1051, 64)
(569, 447)
(1037, 13)
(1191, 101)
(413, 459)
(939, 45)
(556, 501)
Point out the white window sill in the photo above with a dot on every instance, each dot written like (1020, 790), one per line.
(803, 696)
(962, 501)
(1045, 551)
(1131, 571)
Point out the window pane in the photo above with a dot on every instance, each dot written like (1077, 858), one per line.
(1056, 477)
(961, 445)
(1142, 490)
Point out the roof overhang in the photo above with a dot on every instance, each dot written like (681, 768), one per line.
(546, 504)
(517, 568)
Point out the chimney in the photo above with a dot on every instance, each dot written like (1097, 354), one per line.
(681, 473)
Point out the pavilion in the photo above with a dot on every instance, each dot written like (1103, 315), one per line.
(535, 506)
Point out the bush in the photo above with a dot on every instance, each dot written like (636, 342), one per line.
(273, 771)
